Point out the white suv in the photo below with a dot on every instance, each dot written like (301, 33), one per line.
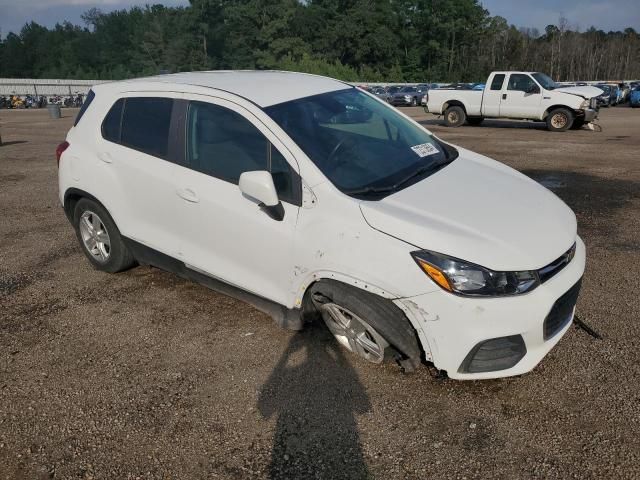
(304, 195)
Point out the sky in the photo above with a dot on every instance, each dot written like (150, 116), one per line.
(603, 14)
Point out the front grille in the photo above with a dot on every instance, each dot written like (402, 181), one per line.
(494, 354)
(545, 273)
(561, 312)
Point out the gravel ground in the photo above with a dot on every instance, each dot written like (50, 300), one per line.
(144, 375)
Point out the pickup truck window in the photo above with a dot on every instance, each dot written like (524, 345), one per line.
(498, 80)
(520, 82)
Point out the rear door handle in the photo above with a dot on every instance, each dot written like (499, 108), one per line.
(504, 96)
(105, 157)
(188, 195)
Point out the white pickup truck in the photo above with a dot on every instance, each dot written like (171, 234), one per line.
(518, 95)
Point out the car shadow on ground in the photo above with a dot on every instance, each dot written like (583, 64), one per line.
(315, 394)
(492, 124)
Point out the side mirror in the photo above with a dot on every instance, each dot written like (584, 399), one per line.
(259, 186)
(533, 89)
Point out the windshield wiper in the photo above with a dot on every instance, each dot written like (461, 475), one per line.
(392, 188)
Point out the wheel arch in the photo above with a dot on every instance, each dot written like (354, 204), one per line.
(308, 311)
(454, 103)
(71, 198)
(555, 107)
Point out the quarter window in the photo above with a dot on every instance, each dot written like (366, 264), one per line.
(223, 144)
(111, 124)
(498, 80)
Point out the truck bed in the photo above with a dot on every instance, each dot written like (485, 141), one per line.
(439, 97)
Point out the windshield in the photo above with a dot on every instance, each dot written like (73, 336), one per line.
(364, 147)
(545, 81)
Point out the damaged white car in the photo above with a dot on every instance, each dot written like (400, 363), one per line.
(310, 198)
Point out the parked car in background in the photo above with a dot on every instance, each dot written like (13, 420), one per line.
(634, 97)
(626, 90)
(519, 95)
(458, 86)
(606, 98)
(335, 207)
(616, 93)
(381, 93)
(392, 89)
(407, 96)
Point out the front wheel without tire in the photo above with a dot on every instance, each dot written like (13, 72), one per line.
(454, 116)
(366, 324)
(560, 120)
(99, 238)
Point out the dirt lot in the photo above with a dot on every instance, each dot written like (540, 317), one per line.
(143, 375)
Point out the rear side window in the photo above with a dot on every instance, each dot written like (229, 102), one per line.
(85, 105)
(145, 125)
(112, 122)
(498, 80)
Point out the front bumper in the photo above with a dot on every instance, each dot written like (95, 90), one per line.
(590, 115)
(453, 328)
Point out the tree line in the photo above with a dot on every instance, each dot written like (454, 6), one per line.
(354, 40)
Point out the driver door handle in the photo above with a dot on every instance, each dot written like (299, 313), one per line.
(188, 195)
(504, 96)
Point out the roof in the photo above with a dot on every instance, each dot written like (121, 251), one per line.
(264, 88)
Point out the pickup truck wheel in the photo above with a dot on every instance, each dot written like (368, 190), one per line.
(560, 120)
(366, 324)
(475, 121)
(454, 116)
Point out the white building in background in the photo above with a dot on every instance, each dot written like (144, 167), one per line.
(38, 86)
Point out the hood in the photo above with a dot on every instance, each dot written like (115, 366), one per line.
(585, 91)
(478, 210)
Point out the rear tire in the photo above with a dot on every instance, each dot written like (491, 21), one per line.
(368, 325)
(99, 238)
(454, 116)
(560, 120)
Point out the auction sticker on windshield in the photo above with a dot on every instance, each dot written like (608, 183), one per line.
(425, 149)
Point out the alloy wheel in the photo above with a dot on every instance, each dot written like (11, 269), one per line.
(95, 237)
(354, 333)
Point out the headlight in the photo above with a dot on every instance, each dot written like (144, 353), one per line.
(584, 105)
(465, 278)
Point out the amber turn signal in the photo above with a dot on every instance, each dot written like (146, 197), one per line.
(435, 274)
